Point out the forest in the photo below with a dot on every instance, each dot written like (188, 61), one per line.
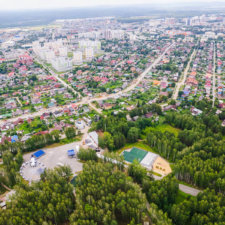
(197, 152)
(116, 193)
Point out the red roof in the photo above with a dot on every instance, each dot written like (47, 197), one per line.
(42, 132)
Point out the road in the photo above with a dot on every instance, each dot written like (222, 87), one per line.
(214, 74)
(95, 108)
(186, 189)
(183, 77)
(189, 190)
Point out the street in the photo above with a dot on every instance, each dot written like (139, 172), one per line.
(183, 77)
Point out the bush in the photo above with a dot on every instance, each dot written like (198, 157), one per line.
(87, 154)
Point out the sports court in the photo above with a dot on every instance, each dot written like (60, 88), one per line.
(134, 154)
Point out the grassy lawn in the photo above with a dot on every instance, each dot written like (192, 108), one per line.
(139, 144)
(163, 128)
(67, 141)
(64, 141)
(181, 196)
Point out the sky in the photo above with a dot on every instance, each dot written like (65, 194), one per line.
(52, 4)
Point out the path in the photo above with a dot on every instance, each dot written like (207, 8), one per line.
(7, 188)
(18, 100)
(183, 77)
(95, 108)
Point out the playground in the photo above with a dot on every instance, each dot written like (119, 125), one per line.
(53, 157)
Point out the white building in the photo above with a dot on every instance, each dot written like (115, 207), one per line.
(210, 35)
(6, 44)
(62, 64)
(92, 140)
(89, 53)
(77, 58)
(49, 55)
(95, 45)
(63, 51)
(117, 34)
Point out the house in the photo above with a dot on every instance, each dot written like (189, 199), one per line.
(222, 105)
(149, 115)
(192, 81)
(92, 140)
(169, 107)
(58, 113)
(87, 120)
(80, 124)
(156, 82)
(223, 124)
(128, 117)
(135, 118)
(25, 138)
(129, 108)
(107, 106)
(195, 111)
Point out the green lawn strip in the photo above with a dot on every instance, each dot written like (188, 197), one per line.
(67, 141)
(154, 173)
(181, 196)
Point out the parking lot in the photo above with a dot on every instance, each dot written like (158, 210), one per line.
(57, 156)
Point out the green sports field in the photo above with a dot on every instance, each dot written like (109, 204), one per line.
(134, 154)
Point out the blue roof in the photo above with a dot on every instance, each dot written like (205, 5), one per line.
(71, 152)
(39, 153)
(186, 92)
(14, 138)
(51, 104)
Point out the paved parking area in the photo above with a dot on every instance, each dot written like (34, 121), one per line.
(57, 156)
